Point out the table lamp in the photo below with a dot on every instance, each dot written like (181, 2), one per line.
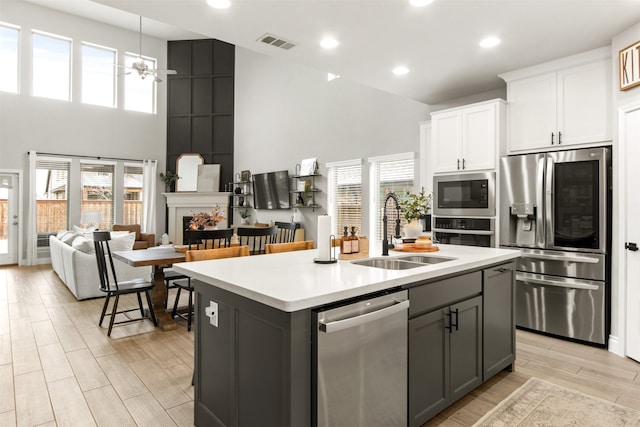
(92, 219)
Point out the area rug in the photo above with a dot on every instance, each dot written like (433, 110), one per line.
(541, 403)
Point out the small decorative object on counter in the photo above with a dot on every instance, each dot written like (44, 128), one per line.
(355, 242)
(423, 242)
(345, 245)
(414, 206)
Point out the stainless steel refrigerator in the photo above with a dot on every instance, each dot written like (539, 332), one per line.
(556, 207)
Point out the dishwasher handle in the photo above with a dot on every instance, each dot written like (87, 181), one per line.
(350, 322)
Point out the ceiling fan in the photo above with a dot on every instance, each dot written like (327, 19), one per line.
(142, 68)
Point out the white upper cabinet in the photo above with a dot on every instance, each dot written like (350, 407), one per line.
(566, 106)
(467, 138)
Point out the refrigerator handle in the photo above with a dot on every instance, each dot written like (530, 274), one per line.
(540, 203)
(549, 207)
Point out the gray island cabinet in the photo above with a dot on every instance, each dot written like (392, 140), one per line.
(254, 351)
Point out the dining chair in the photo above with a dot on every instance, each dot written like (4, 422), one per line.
(198, 239)
(256, 237)
(286, 231)
(273, 248)
(200, 255)
(112, 288)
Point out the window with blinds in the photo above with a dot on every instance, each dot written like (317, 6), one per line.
(132, 194)
(345, 196)
(52, 196)
(390, 174)
(97, 182)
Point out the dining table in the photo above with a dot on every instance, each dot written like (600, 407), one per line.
(160, 258)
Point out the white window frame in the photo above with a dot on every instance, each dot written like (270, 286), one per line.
(134, 74)
(114, 80)
(70, 64)
(375, 205)
(18, 56)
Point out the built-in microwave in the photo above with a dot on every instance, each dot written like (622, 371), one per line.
(470, 194)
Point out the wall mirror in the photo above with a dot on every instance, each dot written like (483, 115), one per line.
(187, 170)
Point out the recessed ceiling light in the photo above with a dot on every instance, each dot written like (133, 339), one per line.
(329, 43)
(400, 71)
(490, 42)
(419, 3)
(219, 4)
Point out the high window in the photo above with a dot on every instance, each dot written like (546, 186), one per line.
(51, 66)
(9, 39)
(98, 75)
(97, 182)
(389, 174)
(140, 90)
(345, 195)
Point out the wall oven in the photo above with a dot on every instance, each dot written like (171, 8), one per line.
(464, 194)
(465, 231)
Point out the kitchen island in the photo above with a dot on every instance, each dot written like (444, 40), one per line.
(255, 350)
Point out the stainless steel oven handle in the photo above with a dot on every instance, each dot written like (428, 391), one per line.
(456, 231)
(567, 283)
(576, 258)
(350, 322)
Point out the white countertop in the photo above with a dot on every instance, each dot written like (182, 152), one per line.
(291, 281)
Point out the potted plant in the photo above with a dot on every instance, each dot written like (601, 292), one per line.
(168, 178)
(415, 206)
(244, 214)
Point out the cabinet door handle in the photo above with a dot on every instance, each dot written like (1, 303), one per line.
(458, 164)
(463, 165)
(451, 324)
(559, 138)
(552, 138)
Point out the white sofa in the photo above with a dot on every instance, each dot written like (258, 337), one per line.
(74, 261)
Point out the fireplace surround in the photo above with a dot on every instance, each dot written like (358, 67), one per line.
(183, 204)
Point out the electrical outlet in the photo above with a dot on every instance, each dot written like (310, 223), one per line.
(212, 313)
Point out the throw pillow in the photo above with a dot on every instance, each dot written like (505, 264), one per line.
(61, 233)
(69, 238)
(122, 243)
(86, 232)
(83, 244)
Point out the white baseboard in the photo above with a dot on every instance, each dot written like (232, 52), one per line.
(614, 345)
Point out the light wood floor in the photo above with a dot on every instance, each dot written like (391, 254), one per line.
(58, 368)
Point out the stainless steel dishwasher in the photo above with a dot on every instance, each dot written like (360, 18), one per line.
(361, 355)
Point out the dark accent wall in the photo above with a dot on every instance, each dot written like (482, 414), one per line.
(200, 103)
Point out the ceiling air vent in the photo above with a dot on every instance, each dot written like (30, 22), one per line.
(276, 41)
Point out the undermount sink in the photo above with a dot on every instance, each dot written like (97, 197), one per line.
(387, 263)
(426, 259)
(403, 263)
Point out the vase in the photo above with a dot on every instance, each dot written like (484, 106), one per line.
(413, 229)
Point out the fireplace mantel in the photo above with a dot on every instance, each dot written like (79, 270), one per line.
(187, 203)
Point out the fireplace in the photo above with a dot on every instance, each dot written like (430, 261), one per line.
(183, 205)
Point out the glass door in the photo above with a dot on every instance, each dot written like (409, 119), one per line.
(8, 219)
(576, 200)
